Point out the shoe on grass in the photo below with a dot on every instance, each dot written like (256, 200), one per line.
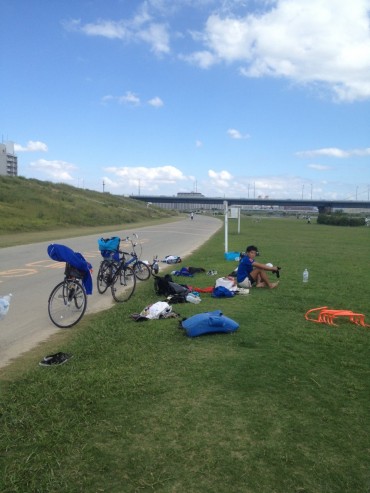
(55, 359)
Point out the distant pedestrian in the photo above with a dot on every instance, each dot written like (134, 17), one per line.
(192, 215)
(308, 220)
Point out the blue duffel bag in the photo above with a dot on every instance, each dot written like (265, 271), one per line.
(208, 323)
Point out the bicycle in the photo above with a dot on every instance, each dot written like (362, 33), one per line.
(114, 272)
(67, 301)
(141, 269)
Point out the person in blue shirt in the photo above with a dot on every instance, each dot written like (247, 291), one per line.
(252, 273)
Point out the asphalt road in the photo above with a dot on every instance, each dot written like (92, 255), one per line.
(29, 274)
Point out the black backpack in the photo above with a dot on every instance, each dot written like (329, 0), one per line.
(161, 284)
(166, 287)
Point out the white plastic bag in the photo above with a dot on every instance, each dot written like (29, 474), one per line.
(193, 298)
(227, 282)
(4, 305)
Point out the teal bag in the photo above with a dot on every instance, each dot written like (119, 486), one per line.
(232, 256)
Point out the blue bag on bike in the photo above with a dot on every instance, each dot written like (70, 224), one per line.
(109, 247)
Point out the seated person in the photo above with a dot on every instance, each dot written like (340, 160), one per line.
(251, 272)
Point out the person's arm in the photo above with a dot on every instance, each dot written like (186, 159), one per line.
(257, 265)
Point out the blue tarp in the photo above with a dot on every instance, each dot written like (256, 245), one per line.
(62, 253)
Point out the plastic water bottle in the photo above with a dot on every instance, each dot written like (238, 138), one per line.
(305, 275)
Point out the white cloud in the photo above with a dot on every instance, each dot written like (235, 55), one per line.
(319, 167)
(203, 59)
(335, 152)
(32, 146)
(156, 35)
(59, 170)
(138, 29)
(129, 98)
(148, 179)
(325, 42)
(235, 134)
(279, 186)
(106, 29)
(156, 102)
(220, 179)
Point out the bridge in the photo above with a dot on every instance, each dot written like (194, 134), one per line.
(199, 201)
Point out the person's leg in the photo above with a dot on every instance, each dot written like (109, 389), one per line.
(262, 279)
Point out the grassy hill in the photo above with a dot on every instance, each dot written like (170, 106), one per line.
(29, 205)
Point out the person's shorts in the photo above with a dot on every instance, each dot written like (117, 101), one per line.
(247, 283)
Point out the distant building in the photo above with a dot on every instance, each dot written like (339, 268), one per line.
(8, 160)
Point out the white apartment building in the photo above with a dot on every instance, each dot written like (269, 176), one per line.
(8, 160)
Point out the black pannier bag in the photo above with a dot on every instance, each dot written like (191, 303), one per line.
(166, 287)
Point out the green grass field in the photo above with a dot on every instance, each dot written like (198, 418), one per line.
(279, 406)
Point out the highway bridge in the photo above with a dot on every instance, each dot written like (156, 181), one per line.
(201, 202)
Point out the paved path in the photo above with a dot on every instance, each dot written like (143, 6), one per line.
(29, 274)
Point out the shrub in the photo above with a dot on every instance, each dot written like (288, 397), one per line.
(340, 219)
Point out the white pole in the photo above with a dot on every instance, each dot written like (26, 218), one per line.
(226, 209)
(238, 220)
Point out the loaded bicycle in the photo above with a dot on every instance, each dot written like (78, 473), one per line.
(141, 269)
(114, 272)
(68, 300)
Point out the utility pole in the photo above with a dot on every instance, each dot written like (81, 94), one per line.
(103, 186)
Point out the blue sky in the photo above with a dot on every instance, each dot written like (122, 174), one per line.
(235, 98)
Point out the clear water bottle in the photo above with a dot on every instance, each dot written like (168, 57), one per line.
(305, 275)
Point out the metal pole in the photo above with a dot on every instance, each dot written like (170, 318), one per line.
(226, 210)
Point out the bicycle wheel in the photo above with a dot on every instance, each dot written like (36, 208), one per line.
(142, 271)
(67, 303)
(104, 277)
(124, 284)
